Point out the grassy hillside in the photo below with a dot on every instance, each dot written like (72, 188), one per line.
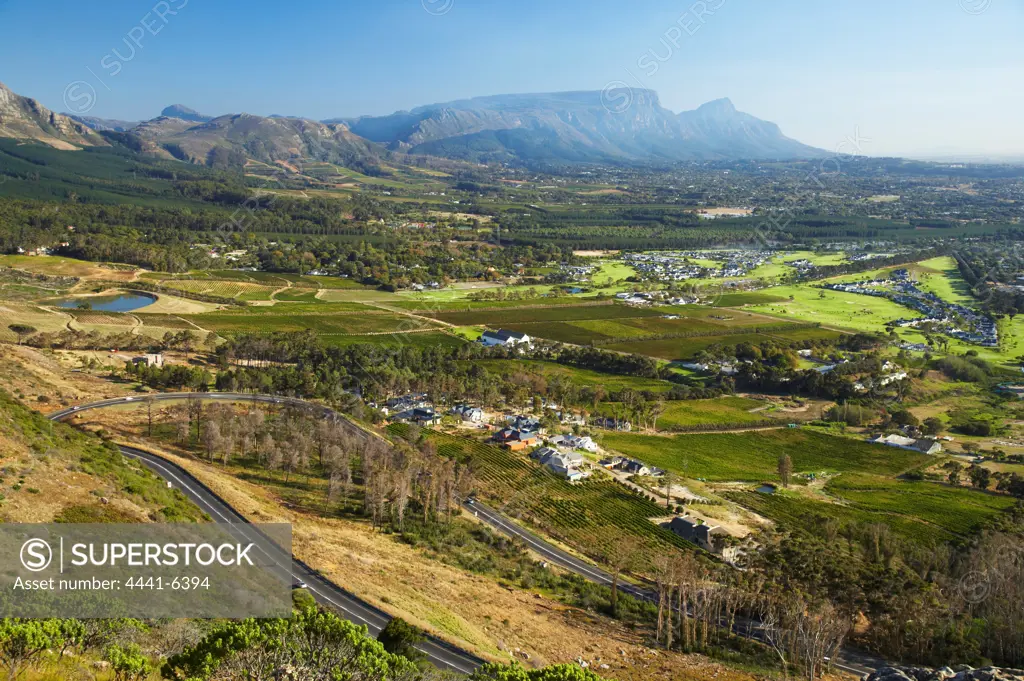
(52, 472)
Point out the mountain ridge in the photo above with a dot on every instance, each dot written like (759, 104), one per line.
(617, 125)
(25, 118)
(614, 126)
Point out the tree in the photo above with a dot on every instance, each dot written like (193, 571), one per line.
(24, 643)
(315, 645)
(903, 417)
(785, 469)
(401, 638)
(980, 476)
(22, 331)
(563, 672)
(955, 470)
(127, 662)
(621, 556)
(149, 400)
(932, 425)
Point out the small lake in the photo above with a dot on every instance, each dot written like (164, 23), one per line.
(122, 302)
(766, 489)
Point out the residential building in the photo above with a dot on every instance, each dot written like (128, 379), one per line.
(150, 360)
(694, 531)
(468, 414)
(515, 440)
(507, 339)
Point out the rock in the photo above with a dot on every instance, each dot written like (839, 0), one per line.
(954, 673)
(604, 666)
(100, 664)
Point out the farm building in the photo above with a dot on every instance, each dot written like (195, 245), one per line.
(694, 531)
(506, 339)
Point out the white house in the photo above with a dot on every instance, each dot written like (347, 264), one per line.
(505, 339)
(468, 414)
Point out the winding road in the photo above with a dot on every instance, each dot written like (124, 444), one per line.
(441, 653)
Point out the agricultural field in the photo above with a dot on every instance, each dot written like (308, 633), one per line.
(959, 510)
(346, 324)
(559, 313)
(754, 456)
(926, 513)
(724, 411)
(792, 510)
(589, 516)
(68, 267)
(577, 377)
(677, 349)
(836, 309)
(239, 290)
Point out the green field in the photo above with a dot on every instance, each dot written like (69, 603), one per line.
(426, 339)
(924, 512)
(578, 377)
(323, 324)
(560, 313)
(721, 411)
(958, 510)
(674, 349)
(942, 277)
(834, 308)
(753, 457)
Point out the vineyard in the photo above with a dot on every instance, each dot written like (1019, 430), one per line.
(562, 313)
(242, 291)
(574, 375)
(720, 412)
(959, 510)
(754, 456)
(325, 324)
(589, 517)
(791, 511)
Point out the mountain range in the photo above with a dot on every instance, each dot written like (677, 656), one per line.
(609, 127)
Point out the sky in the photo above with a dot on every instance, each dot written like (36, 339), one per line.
(906, 77)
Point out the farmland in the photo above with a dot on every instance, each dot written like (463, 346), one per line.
(588, 517)
(724, 411)
(753, 457)
(322, 324)
(684, 348)
(575, 376)
(927, 513)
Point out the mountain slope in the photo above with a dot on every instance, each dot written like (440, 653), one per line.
(229, 140)
(733, 133)
(24, 118)
(617, 125)
(186, 114)
(104, 124)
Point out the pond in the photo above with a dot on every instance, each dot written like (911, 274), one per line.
(121, 302)
(766, 489)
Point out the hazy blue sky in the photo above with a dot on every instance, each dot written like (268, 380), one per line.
(913, 76)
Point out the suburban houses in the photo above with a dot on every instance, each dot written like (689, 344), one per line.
(958, 321)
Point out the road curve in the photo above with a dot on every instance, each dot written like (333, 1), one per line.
(441, 653)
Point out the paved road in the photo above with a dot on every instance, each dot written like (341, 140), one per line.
(442, 654)
(358, 611)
